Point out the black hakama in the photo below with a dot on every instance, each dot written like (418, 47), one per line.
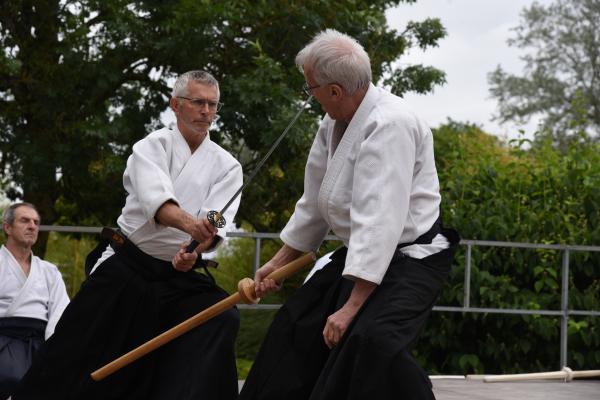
(372, 361)
(20, 339)
(128, 300)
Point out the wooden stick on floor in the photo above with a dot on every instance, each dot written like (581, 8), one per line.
(245, 294)
(566, 374)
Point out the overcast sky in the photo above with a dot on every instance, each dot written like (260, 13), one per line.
(475, 44)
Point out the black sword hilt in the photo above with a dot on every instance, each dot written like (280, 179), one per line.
(216, 219)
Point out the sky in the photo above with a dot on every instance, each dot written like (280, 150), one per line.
(475, 44)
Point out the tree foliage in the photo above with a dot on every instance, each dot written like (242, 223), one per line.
(81, 81)
(561, 80)
(505, 193)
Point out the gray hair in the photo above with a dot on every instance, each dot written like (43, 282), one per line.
(8, 217)
(338, 58)
(181, 84)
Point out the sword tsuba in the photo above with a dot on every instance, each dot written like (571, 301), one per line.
(216, 219)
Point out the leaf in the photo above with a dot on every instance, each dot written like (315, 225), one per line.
(539, 285)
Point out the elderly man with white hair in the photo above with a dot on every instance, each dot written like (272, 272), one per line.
(371, 179)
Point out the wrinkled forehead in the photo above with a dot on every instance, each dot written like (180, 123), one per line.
(26, 212)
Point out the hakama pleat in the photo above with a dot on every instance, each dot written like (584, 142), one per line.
(20, 340)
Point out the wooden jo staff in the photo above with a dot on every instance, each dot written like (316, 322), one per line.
(245, 293)
(566, 374)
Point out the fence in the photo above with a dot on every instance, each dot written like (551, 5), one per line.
(564, 313)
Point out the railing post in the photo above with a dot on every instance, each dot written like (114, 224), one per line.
(256, 255)
(467, 284)
(564, 306)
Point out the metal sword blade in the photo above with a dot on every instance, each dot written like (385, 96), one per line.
(264, 159)
(216, 217)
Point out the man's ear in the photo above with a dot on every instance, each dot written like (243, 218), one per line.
(174, 104)
(5, 229)
(335, 91)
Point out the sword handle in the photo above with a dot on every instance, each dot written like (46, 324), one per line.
(216, 219)
(192, 246)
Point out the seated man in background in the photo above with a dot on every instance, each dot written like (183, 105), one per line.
(32, 296)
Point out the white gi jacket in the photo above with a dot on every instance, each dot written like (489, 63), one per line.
(41, 294)
(161, 168)
(374, 183)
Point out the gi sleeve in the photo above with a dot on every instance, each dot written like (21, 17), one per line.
(221, 191)
(148, 175)
(380, 199)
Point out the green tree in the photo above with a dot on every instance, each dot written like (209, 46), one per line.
(494, 191)
(81, 81)
(561, 79)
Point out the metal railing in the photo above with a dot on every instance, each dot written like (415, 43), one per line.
(564, 313)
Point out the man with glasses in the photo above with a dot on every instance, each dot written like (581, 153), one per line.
(371, 178)
(145, 283)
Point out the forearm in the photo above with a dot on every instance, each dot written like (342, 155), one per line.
(360, 293)
(285, 255)
(170, 214)
(201, 230)
(338, 322)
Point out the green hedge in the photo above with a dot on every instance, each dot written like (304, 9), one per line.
(508, 193)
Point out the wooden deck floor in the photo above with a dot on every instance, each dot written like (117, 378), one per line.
(463, 389)
(455, 389)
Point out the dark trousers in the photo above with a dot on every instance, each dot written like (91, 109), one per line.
(372, 361)
(127, 301)
(20, 339)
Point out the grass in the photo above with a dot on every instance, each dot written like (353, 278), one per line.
(253, 327)
(68, 252)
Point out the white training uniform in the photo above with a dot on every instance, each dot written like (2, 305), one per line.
(41, 294)
(374, 183)
(162, 168)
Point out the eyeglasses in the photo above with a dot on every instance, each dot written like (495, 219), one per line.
(201, 103)
(308, 89)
